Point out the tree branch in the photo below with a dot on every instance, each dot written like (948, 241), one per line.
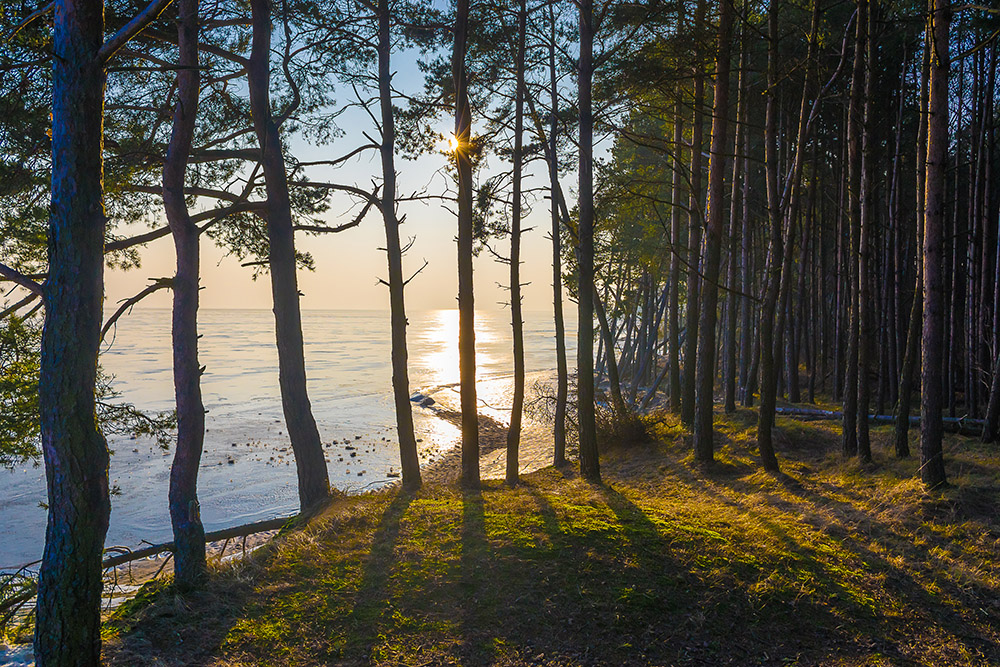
(24, 281)
(158, 284)
(131, 29)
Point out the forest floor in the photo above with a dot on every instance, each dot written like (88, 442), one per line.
(829, 563)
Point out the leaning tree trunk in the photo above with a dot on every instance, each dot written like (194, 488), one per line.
(466, 301)
(703, 445)
(562, 373)
(931, 453)
(589, 460)
(314, 481)
(409, 461)
(516, 321)
(68, 620)
(190, 566)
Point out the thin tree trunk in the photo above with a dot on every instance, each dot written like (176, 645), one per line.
(409, 461)
(673, 304)
(864, 298)
(190, 566)
(314, 481)
(931, 455)
(703, 441)
(517, 323)
(732, 299)
(765, 417)
(910, 361)
(466, 300)
(695, 222)
(854, 131)
(562, 375)
(68, 618)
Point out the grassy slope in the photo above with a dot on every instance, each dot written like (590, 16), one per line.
(666, 564)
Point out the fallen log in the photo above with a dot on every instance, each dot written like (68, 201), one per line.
(959, 425)
(214, 536)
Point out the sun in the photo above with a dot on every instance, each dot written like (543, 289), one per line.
(453, 143)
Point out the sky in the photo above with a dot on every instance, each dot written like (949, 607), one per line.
(349, 264)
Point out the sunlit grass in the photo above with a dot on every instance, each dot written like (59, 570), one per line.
(829, 563)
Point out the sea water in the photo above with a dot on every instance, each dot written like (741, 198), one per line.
(248, 470)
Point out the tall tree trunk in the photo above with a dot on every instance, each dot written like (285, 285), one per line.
(865, 225)
(68, 620)
(931, 454)
(768, 380)
(910, 360)
(466, 299)
(562, 374)
(673, 302)
(695, 222)
(517, 323)
(409, 461)
(190, 566)
(703, 445)
(589, 460)
(310, 464)
(854, 149)
(733, 300)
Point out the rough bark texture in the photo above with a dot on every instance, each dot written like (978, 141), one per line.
(68, 621)
(409, 461)
(703, 445)
(466, 301)
(931, 375)
(185, 517)
(589, 461)
(310, 464)
(516, 320)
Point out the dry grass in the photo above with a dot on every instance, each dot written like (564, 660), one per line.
(668, 563)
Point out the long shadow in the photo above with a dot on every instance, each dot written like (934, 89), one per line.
(476, 565)
(371, 600)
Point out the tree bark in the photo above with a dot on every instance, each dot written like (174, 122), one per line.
(562, 373)
(517, 323)
(931, 454)
(68, 620)
(692, 314)
(589, 459)
(310, 464)
(190, 567)
(409, 461)
(466, 299)
(911, 358)
(703, 441)
(768, 379)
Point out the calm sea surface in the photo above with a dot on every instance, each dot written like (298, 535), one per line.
(247, 471)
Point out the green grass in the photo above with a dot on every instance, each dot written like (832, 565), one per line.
(667, 563)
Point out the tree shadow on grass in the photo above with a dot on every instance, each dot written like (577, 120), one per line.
(372, 598)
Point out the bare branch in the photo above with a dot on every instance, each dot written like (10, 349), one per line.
(158, 284)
